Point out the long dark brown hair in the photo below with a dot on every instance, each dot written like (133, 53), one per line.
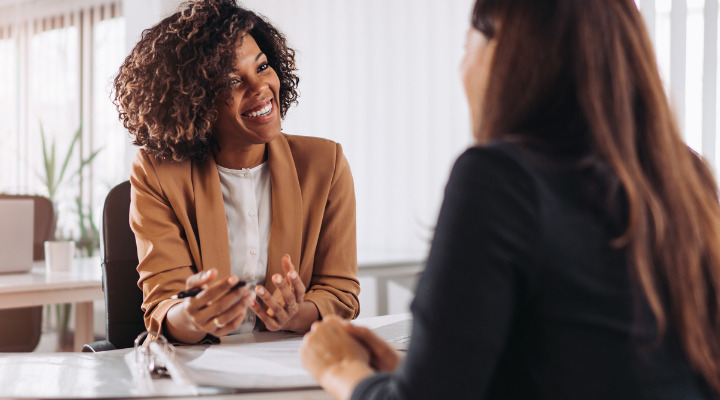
(587, 66)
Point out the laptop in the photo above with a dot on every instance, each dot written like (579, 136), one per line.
(398, 334)
(16, 234)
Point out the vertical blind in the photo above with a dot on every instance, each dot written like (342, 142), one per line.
(685, 36)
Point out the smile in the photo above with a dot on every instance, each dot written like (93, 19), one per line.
(259, 111)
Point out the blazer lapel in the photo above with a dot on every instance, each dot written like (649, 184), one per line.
(286, 227)
(211, 221)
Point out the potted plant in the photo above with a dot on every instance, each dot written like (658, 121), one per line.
(55, 173)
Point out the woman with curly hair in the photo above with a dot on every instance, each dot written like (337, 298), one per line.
(219, 194)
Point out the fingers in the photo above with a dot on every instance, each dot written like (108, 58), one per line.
(200, 279)
(297, 285)
(293, 278)
(384, 357)
(330, 322)
(231, 319)
(287, 293)
(291, 291)
(211, 293)
(214, 301)
(270, 323)
(327, 346)
(286, 263)
(279, 316)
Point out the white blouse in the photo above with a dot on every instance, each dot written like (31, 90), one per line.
(248, 210)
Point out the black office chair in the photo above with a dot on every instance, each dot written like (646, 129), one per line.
(20, 328)
(123, 316)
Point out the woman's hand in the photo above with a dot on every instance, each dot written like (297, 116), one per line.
(336, 360)
(290, 311)
(383, 357)
(217, 309)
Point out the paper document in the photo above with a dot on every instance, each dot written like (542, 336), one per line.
(260, 360)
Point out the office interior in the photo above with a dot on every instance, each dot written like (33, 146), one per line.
(378, 76)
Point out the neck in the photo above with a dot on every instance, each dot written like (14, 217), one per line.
(242, 156)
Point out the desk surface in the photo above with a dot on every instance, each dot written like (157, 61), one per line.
(106, 375)
(81, 285)
(385, 258)
(85, 273)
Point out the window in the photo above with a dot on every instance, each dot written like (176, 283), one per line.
(685, 37)
(57, 62)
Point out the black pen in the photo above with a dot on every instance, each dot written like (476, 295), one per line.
(194, 291)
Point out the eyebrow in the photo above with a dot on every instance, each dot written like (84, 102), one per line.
(260, 54)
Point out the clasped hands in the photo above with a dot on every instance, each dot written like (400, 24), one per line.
(339, 355)
(219, 309)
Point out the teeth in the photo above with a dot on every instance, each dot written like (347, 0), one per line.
(261, 112)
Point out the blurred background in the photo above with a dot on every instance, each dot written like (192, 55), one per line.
(378, 76)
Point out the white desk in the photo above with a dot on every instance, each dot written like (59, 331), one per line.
(106, 375)
(81, 285)
(384, 267)
(102, 375)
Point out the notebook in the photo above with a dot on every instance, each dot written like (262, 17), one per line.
(16, 235)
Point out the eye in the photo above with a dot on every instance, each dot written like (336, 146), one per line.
(235, 81)
(263, 67)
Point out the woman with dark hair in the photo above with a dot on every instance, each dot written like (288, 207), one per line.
(219, 194)
(577, 251)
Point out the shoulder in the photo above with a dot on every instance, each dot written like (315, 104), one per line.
(148, 173)
(312, 146)
(497, 166)
(491, 188)
(316, 154)
(144, 162)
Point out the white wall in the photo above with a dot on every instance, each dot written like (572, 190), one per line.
(380, 77)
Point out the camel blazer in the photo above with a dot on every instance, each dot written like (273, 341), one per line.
(178, 217)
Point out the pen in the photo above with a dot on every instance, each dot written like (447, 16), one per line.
(194, 291)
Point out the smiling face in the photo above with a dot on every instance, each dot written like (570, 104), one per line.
(249, 114)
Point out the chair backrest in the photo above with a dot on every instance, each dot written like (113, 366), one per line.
(20, 328)
(45, 221)
(123, 316)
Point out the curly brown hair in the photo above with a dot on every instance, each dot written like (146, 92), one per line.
(166, 88)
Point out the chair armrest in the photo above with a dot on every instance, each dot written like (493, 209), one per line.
(100, 345)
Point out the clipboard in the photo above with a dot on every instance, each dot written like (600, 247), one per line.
(151, 363)
(250, 362)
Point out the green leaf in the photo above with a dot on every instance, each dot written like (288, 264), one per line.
(69, 154)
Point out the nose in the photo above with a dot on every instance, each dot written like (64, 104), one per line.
(256, 84)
